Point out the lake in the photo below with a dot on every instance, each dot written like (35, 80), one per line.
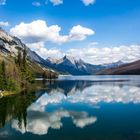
(74, 108)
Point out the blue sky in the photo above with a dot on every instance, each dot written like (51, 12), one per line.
(116, 23)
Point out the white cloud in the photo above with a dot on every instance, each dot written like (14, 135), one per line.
(4, 23)
(80, 33)
(84, 121)
(39, 31)
(40, 122)
(35, 46)
(88, 2)
(53, 53)
(56, 2)
(92, 53)
(102, 55)
(2, 2)
(36, 4)
(41, 50)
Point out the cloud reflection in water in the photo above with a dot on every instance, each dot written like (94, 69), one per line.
(39, 120)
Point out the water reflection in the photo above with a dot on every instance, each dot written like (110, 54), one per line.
(91, 92)
(37, 113)
(40, 122)
(60, 92)
(15, 107)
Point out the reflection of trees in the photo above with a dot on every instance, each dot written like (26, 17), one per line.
(15, 107)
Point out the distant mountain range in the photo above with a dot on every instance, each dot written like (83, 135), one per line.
(73, 66)
(70, 65)
(67, 64)
(126, 69)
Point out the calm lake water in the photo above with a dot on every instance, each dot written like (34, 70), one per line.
(74, 108)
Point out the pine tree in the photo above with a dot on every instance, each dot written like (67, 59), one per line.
(24, 58)
(19, 59)
(3, 78)
(3, 66)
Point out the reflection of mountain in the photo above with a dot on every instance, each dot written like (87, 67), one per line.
(90, 92)
(64, 100)
(67, 86)
(93, 93)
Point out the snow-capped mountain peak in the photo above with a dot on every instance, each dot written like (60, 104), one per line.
(67, 59)
(52, 60)
(72, 65)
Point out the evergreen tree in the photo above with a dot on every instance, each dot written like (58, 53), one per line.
(3, 77)
(19, 58)
(24, 58)
(3, 67)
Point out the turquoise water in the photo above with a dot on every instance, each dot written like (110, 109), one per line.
(75, 108)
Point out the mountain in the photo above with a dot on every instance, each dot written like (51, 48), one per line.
(32, 56)
(19, 66)
(51, 60)
(126, 69)
(10, 45)
(73, 66)
(114, 65)
(66, 65)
